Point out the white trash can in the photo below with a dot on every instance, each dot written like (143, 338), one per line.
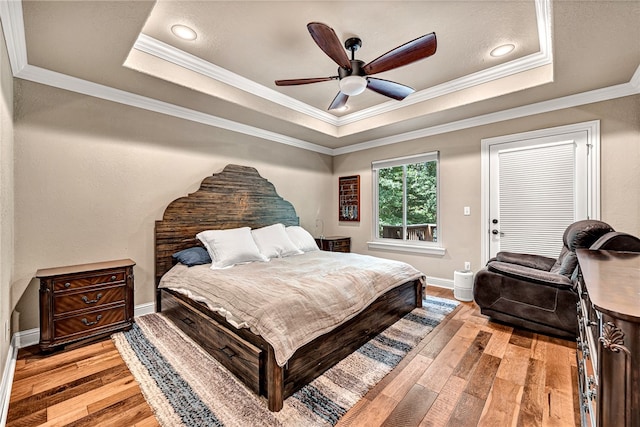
(463, 285)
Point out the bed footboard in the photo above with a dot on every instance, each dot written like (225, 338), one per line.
(252, 359)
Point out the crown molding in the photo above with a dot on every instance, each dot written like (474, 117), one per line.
(166, 52)
(604, 94)
(13, 29)
(63, 81)
(635, 80)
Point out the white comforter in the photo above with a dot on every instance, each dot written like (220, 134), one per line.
(291, 301)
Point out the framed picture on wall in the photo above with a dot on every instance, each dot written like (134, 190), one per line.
(349, 198)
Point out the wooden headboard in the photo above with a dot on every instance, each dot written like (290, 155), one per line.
(236, 197)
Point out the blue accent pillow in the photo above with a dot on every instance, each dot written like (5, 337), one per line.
(196, 255)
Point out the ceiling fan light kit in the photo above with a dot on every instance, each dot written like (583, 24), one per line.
(353, 85)
(354, 74)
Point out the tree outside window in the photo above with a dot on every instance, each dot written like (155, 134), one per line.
(407, 198)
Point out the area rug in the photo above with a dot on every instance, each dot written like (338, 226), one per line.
(185, 386)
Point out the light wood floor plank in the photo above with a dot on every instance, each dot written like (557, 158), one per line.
(500, 337)
(443, 365)
(92, 397)
(400, 386)
(442, 408)
(467, 412)
(375, 413)
(411, 409)
(514, 364)
(502, 405)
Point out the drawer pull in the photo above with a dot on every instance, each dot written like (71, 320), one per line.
(66, 285)
(228, 352)
(91, 301)
(113, 278)
(87, 323)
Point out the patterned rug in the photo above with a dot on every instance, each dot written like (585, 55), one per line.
(185, 386)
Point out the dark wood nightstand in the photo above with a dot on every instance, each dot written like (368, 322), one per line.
(84, 301)
(334, 243)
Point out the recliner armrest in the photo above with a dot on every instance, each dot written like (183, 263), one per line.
(528, 274)
(537, 262)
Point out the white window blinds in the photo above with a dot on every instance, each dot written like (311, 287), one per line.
(536, 186)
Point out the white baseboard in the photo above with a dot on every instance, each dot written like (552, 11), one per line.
(7, 380)
(31, 337)
(142, 309)
(441, 283)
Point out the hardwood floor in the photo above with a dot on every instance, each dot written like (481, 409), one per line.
(86, 386)
(467, 372)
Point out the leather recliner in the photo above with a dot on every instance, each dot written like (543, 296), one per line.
(537, 292)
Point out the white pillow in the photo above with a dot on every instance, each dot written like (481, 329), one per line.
(302, 238)
(229, 247)
(273, 241)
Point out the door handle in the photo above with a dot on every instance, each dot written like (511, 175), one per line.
(494, 231)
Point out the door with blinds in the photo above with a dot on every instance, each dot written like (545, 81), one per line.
(537, 188)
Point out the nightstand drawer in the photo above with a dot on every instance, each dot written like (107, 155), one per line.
(89, 322)
(340, 245)
(63, 284)
(334, 244)
(89, 298)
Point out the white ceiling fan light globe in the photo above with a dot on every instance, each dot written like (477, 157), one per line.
(353, 85)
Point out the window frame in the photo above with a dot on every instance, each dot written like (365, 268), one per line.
(416, 246)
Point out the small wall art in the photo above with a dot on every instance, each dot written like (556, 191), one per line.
(349, 198)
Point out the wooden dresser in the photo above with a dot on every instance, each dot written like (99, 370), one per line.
(84, 301)
(608, 350)
(334, 243)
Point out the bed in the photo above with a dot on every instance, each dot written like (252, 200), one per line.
(239, 197)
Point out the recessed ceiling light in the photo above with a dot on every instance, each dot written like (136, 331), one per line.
(183, 32)
(502, 50)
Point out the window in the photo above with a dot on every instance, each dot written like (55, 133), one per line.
(406, 201)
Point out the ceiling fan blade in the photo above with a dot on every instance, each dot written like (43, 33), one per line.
(409, 52)
(339, 101)
(388, 88)
(294, 82)
(328, 41)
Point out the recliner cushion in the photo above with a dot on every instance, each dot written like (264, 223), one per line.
(538, 262)
(566, 263)
(528, 274)
(582, 234)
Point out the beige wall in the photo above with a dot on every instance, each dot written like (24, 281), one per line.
(460, 173)
(92, 176)
(6, 195)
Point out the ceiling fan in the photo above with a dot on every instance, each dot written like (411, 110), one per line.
(354, 75)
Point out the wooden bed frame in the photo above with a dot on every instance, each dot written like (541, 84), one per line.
(238, 197)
